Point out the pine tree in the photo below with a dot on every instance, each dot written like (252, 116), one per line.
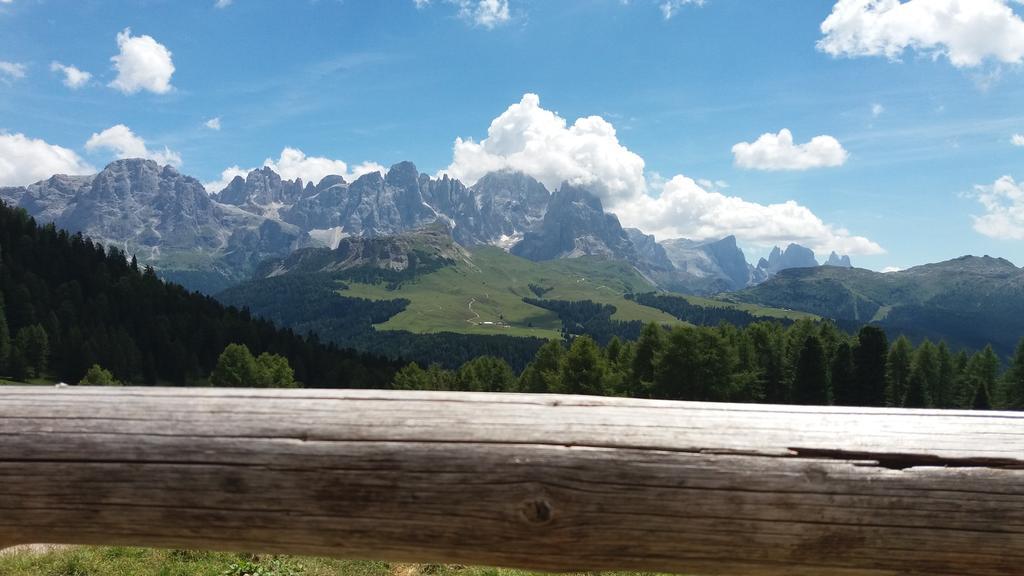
(651, 342)
(696, 364)
(485, 374)
(584, 369)
(768, 343)
(844, 378)
(963, 389)
(981, 401)
(982, 375)
(613, 350)
(34, 348)
(869, 360)
(810, 379)
(5, 339)
(924, 373)
(1013, 381)
(541, 375)
(898, 371)
(942, 391)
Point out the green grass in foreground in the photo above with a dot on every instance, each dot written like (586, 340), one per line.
(116, 561)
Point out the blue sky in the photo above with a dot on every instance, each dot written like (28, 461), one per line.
(918, 121)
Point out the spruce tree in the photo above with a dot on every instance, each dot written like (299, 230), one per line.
(963, 390)
(1013, 382)
(981, 401)
(942, 391)
(5, 339)
(584, 369)
(810, 379)
(844, 378)
(485, 374)
(869, 361)
(541, 375)
(898, 372)
(924, 373)
(768, 343)
(982, 375)
(34, 347)
(650, 343)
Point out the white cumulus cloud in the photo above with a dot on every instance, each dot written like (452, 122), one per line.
(73, 77)
(222, 3)
(142, 64)
(294, 163)
(877, 110)
(1003, 202)
(25, 160)
(531, 139)
(967, 32)
(124, 143)
(213, 123)
(778, 152)
(1017, 140)
(483, 13)
(528, 138)
(12, 70)
(686, 209)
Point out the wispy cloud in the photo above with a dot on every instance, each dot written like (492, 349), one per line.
(73, 77)
(12, 70)
(484, 13)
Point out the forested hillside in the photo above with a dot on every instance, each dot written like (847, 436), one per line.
(807, 362)
(969, 301)
(69, 303)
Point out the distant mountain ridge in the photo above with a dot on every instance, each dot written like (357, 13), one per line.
(969, 301)
(209, 242)
(165, 218)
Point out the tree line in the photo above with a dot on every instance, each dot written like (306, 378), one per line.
(67, 303)
(806, 362)
(316, 303)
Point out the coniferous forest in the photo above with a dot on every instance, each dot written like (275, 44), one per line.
(808, 362)
(69, 304)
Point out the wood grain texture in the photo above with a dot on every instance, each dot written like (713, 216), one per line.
(542, 482)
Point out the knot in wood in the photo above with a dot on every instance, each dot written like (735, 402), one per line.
(537, 512)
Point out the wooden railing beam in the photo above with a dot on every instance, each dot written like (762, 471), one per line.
(541, 482)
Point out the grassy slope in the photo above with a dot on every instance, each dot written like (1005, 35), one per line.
(755, 309)
(145, 562)
(496, 284)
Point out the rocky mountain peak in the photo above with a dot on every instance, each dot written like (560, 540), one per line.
(794, 256)
(330, 181)
(574, 225)
(708, 266)
(403, 175)
(836, 260)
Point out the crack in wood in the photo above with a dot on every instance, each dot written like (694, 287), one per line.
(901, 461)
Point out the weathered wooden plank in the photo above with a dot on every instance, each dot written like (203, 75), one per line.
(545, 482)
